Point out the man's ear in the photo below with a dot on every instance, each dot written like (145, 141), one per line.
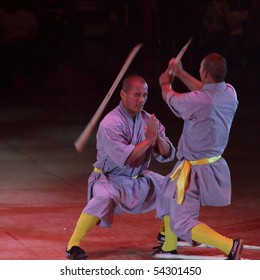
(205, 74)
(122, 93)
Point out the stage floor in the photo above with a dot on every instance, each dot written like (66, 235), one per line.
(44, 188)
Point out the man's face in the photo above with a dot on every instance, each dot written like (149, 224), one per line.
(134, 99)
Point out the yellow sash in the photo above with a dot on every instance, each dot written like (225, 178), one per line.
(100, 171)
(97, 170)
(182, 172)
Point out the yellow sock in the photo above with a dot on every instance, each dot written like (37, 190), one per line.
(170, 242)
(162, 228)
(85, 223)
(206, 235)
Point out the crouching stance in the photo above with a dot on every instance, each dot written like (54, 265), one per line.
(127, 138)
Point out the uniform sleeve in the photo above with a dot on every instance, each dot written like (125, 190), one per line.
(114, 141)
(184, 105)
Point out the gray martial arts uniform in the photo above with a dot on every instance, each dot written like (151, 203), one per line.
(207, 115)
(121, 187)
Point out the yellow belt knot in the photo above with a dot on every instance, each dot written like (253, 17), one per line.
(182, 172)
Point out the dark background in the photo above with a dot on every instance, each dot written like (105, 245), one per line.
(55, 74)
(78, 47)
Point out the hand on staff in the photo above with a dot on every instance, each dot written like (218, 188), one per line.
(174, 67)
(165, 78)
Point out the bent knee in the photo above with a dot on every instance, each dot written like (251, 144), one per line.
(101, 192)
(180, 227)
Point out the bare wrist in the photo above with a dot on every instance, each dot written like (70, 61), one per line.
(166, 87)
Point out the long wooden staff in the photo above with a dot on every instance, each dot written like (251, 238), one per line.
(85, 135)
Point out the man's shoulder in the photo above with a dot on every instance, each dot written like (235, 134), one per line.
(230, 86)
(113, 117)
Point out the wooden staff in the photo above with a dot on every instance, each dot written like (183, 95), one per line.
(85, 135)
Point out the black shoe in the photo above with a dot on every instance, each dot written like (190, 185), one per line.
(160, 238)
(160, 254)
(235, 252)
(76, 253)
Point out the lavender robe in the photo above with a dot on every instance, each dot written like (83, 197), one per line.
(207, 115)
(115, 189)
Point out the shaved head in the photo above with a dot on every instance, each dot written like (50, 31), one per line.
(216, 66)
(131, 80)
